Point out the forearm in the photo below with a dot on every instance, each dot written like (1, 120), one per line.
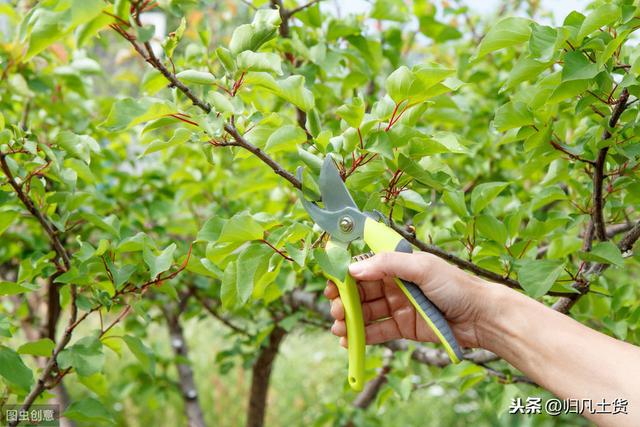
(562, 355)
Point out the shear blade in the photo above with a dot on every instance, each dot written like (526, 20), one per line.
(335, 195)
(342, 206)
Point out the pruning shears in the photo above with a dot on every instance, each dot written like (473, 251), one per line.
(344, 223)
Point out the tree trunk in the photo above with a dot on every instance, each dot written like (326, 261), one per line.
(260, 378)
(192, 408)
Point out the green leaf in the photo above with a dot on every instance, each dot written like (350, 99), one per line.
(417, 85)
(13, 369)
(334, 261)
(42, 347)
(398, 84)
(129, 112)
(379, 142)
(11, 288)
(352, 113)
(242, 227)
(229, 288)
(80, 146)
(450, 142)
(483, 194)
(542, 42)
(436, 178)
(525, 69)
(251, 263)
(604, 15)
(220, 102)
(390, 10)
(251, 36)
(85, 356)
(537, 276)
(171, 42)
(180, 136)
(546, 196)
(285, 138)
(160, 263)
(145, 33)
(226, 59)
(120, 275)
(88, 410)
(252, 61)
(291, 89)
(578, 67)
(455, 200)
(211, 229)
(512, 115)
(507, 32)
(604, 252)
(197, 77)
(568, 90)
(6, 219)
(144, 354)
(52, 21)
(490, 227)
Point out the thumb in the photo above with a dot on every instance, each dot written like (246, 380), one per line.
(407, 266)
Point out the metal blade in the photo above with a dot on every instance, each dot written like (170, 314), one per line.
(335, 195)
(330, 221)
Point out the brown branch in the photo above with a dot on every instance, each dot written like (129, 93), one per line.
(260, 376)
(206, 303)
(284, 17)
(597, 216)
(295, 10)
(276, 250)
(625, 245)
(62, 254)
(52, 232)
(192, 408)
(462, 263)
(151, 58)
(372, 388)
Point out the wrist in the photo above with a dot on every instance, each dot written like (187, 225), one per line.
(501, 318)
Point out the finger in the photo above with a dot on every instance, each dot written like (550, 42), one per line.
(331, 290)
(344, 342)
(383, 331)
(339, 328)
(411, 267)
(337, 309)
(370, 290)
(375, 310)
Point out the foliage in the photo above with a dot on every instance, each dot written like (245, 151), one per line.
(138, 181)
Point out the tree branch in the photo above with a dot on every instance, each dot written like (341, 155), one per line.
(462, 263)
(62, 254)
(564, 304)
(295, 10)
(260, 376)
(240, 141)
(372, 388)
(186, 381)
(597, 216)
(214, 312)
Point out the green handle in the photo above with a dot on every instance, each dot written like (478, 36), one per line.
(381, 238)
(355, 328)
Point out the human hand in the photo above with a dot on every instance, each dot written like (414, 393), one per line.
(388, 314)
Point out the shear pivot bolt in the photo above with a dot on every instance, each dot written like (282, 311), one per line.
(346, 224)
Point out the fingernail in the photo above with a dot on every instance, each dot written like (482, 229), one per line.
(356, 268)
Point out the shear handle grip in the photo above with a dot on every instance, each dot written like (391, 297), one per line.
(429, 311)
